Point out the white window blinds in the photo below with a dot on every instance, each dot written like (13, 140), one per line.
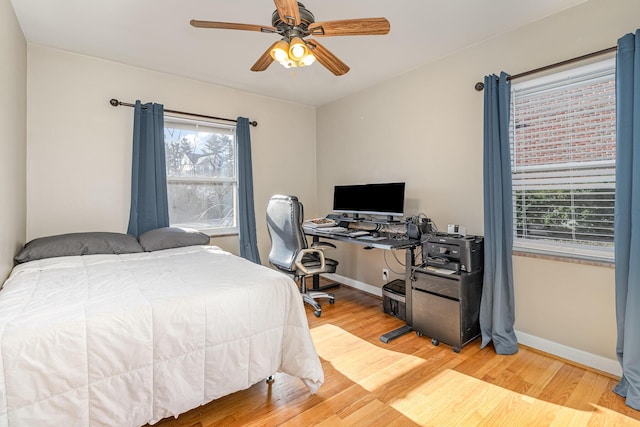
(563, 146)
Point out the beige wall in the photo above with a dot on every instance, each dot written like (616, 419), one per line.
(13, 122)
(79, 146)
(425, 128)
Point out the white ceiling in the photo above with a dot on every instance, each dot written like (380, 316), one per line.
(155, 34)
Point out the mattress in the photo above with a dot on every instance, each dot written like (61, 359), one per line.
(130, 339)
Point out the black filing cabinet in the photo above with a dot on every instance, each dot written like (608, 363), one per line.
(446, 307)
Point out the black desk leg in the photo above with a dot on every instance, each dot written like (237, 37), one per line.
(396, 333)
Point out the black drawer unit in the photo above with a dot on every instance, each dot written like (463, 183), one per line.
(446, 308)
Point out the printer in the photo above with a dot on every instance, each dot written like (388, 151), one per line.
(462, 254)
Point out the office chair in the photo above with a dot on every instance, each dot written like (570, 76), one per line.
(290, 252)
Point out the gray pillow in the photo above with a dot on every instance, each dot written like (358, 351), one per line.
(171, 237)
(78, 244)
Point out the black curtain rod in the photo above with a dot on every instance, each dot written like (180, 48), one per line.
(480, 85)
(115, 103)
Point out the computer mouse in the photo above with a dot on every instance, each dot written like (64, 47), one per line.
(375, 234)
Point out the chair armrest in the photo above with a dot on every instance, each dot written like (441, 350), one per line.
(323, 245)
(303, 268)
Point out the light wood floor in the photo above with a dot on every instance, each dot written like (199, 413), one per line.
(410, 382)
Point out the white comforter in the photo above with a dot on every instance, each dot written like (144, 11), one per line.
(128, 339)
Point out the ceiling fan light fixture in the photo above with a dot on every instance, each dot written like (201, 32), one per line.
(307, 60)
(292, 54)
(297, 49)
(280, 52)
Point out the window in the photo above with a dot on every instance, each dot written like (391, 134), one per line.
(202, 182)
(563, 147)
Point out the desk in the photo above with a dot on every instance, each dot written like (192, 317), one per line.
(408, 245)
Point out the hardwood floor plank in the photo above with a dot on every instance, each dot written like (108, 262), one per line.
(588, 391)
(369, 414)
(544, 376)
(562, 385)
(410, 382)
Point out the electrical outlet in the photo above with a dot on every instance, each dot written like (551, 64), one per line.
(385, 274)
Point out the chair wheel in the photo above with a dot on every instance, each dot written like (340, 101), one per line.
(332, 301)
(435, 342)
(419, 334)
(456, 349)
(317, 313)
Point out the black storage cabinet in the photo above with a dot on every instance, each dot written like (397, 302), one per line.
(447, 307)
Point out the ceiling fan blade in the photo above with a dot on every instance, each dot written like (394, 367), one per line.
(232, 26)
(326, 58)
(264, 61)
(288, 11)
(351, 27)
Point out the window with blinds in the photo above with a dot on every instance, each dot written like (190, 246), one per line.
(563, 148)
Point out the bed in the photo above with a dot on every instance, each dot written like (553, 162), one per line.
(130, 338)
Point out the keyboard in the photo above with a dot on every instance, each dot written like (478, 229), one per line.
(333, 230)
(373, 238)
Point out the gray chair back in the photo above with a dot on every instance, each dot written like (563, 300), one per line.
(284, 222)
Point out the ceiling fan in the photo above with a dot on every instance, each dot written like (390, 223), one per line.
(295, 23)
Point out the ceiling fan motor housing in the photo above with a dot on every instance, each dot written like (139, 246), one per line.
(288, 30)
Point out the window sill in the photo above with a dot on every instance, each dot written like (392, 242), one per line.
(605, 264)
(223, 234)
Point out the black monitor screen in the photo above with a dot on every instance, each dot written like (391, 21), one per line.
(372, 199)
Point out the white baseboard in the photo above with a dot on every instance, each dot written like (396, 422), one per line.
(594, 361)
(600, 363)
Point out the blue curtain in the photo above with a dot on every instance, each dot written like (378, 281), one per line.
(497, 314)
(246, 214)
(627, 217)
(149, 206)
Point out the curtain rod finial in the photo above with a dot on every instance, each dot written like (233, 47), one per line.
(479, 86)
(114, 102)
(253, 123)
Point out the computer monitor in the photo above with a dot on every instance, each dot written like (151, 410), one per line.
(371, 199)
